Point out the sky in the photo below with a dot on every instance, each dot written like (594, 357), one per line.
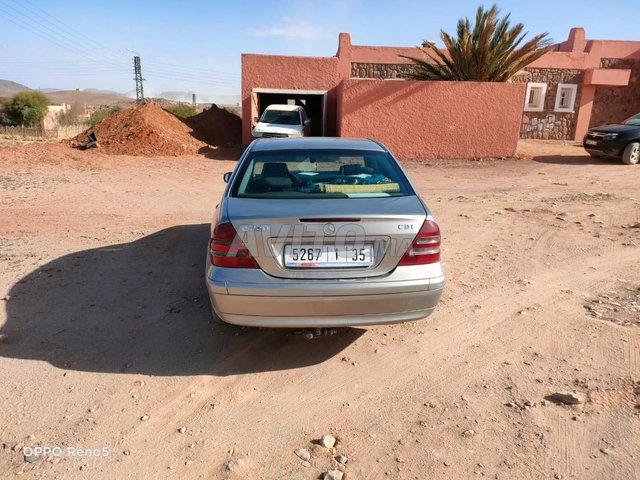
(196, 45)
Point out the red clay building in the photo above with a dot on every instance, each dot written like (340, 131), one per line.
(579, 84)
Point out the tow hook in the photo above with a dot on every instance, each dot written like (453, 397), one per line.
(311, 333)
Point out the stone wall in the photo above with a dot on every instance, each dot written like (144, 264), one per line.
(549, 124)
(614, 104)
(380, 71)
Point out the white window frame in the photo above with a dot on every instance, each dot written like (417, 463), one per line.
(543, 94)
(574, 91)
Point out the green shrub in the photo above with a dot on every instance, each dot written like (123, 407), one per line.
(98, 115)
(182, 110)
(25, 108)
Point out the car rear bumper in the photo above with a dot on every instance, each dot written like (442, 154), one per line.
(252, 298)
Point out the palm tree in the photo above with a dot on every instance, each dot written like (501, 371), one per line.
(491, 51)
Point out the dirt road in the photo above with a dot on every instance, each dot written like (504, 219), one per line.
(108, 341)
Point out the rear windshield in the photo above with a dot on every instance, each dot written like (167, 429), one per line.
(320, 174)
(281, 117)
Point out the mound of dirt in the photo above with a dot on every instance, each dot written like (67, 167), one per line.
(217, 126)
(144, 130)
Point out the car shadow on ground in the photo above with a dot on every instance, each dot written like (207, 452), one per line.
(221, 153)
(577, 160)
(142, 307)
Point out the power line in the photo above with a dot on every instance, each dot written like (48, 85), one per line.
(195, 77)
(121, 69)
(54, 36)
(94, 64)
(84, 74)
(74, 74)
(71, 33)
(81, 65)
(63, 62)
(22, 24)
(201, 76)
(65, 69)
(183, 78)
(101, 64)
(120, 73)
(68, 41)
(202, 70)
(54, 66)
(188, 80)
(46, 30)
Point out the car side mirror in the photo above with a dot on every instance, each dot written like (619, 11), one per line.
(307, 121)
(226, 177)
(255, 119)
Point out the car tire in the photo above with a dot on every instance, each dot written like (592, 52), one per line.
(631, 154)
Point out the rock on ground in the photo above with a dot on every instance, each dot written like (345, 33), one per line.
(333, 475)
(568, 398)
(303, 454)
(327, 441)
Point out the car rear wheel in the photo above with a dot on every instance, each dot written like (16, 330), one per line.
(631, 154)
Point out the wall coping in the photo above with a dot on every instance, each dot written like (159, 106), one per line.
(611, 77)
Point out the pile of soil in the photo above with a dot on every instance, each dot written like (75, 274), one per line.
(217, 126)
(148, 130)
(144, 130)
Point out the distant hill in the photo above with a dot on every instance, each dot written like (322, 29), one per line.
(9, 88)
(95, 96)
(88, 97)
(106, 92)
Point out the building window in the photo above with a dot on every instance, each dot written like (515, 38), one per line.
(566, 97)
(534, 100)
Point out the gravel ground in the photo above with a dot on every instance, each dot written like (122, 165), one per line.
(106, 339)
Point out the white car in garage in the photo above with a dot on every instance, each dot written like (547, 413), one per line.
(287, 121)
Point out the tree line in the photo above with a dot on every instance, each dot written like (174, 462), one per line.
(29, 108)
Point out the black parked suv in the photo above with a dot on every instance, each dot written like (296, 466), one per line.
(620, 141)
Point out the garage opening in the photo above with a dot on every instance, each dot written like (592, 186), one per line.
(314, 103)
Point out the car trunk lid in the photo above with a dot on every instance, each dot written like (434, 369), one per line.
(268, 226)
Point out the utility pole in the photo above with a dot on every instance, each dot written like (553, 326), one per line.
(193, 99)
(137, 69)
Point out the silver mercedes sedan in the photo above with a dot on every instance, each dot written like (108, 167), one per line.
(322, 232)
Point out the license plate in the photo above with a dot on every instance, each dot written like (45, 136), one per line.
(328, 256)
(591, 142)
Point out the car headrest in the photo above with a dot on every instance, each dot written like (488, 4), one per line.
(275, 169)
(354, 169)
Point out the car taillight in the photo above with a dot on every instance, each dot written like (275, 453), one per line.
(227, 250)
(425, 248)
